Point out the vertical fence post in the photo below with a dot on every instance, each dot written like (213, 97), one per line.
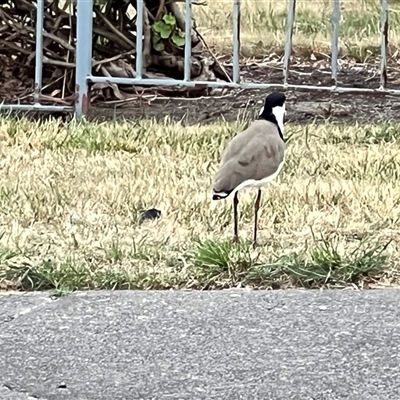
(39, 50)
(335, 39)
(84, 34)
(139, 38)
(236, 40)
(188, 41)
(288, 44)
(384, 41)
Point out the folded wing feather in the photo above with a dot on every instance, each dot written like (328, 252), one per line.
(255, 153)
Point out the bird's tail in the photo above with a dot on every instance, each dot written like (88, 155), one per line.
(221, 195)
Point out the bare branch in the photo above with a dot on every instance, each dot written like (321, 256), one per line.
(114, 48)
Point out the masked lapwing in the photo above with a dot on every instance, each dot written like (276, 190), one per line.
(253, 158)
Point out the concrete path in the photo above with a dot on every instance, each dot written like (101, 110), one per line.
(201, 345)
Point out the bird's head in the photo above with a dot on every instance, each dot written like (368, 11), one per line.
(274, 109)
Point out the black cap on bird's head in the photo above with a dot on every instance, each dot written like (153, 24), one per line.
(275, 99)
(274, 110)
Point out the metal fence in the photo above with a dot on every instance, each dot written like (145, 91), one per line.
(38, 71)
(84, 57)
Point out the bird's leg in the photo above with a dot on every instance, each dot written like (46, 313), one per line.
(256, 208)
(235, 218)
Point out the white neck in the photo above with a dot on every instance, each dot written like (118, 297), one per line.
(279, 113)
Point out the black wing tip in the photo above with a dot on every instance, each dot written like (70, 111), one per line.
(221, 195)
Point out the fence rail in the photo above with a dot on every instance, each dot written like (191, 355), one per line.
(83, 66)
(38, 72)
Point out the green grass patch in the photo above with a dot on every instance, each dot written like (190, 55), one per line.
(211, 265)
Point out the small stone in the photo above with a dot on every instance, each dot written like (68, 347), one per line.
(62, 386)
(151, 213)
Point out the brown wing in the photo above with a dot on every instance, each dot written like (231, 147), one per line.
(253, 154)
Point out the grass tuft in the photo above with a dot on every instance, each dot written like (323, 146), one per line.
(219, 264)
(213, 255)
(324, 265)
(67, 276)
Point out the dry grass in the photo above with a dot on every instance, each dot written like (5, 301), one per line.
(71, 195)
(263, 27)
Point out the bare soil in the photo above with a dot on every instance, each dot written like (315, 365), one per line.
(303, 105)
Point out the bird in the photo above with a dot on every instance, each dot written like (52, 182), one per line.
(253, 158)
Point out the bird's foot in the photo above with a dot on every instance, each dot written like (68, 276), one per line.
(235, 239)
(255, 244)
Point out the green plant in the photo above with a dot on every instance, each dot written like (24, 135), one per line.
(165, 30)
